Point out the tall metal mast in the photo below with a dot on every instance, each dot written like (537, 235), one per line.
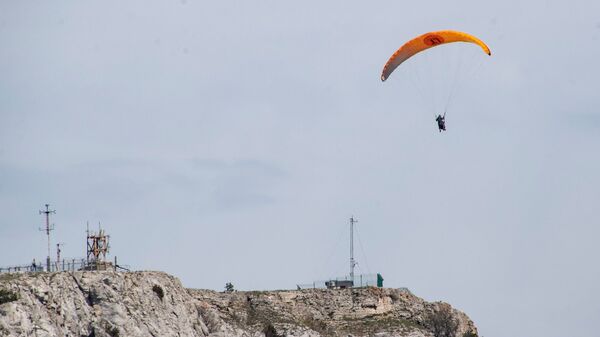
(48, 228)
(352, 262)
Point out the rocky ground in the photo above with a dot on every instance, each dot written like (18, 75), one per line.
(156, 304)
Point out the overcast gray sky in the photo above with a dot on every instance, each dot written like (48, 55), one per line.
(230, 141)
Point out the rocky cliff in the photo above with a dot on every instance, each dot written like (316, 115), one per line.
(156, 304)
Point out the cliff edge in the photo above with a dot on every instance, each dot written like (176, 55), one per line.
(111, 304)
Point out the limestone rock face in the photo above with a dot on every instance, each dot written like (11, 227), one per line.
(98, 304)
(110, 304)
(323, 312)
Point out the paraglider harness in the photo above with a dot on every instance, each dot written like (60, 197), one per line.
(441, 120)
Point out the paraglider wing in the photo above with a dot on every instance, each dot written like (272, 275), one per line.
(426, 41)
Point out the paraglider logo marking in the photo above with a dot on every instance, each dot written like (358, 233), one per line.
(433, 40)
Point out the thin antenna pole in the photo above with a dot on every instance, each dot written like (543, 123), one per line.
(87, 243)
(352, 262)
(58, 255)
(48, 228)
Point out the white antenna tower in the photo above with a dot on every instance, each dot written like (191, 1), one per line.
(48, 228)
(352, 262)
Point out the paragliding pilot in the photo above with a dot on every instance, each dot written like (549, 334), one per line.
(441, 120)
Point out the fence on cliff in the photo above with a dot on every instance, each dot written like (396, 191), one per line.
(362, 280)
(63, 265)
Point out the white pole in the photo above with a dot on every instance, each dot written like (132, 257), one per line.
(352, 263)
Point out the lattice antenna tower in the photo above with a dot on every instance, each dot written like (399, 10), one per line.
(48, 229)
(97, 246)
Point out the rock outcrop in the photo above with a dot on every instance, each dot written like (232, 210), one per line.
(110, 304)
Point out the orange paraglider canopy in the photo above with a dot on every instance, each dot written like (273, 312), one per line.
(426, 41)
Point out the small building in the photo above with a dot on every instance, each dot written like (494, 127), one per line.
(344, 282)
(335, 284)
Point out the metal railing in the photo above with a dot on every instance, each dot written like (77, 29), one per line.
(63, 265)
(363, 280)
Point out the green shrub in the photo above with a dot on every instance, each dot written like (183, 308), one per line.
(270, 331)
(442, 322)
(112, 331)
(158, 291)
(229, 287)
(7, 296)
(469, 334)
